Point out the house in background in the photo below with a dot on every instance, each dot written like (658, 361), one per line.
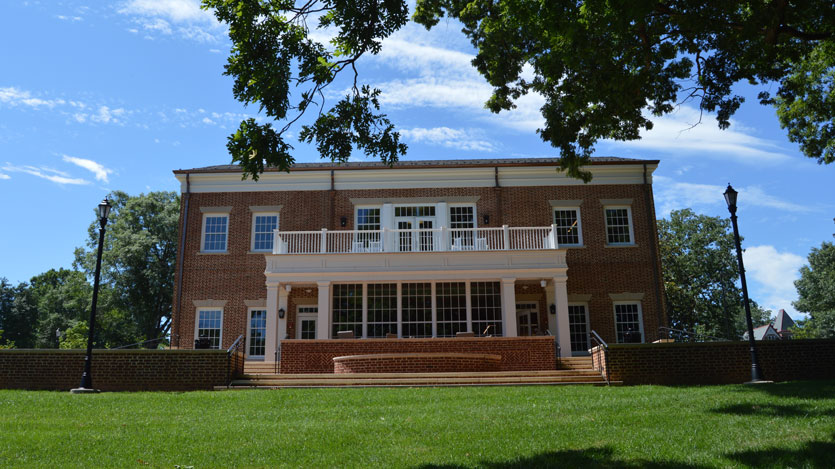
(783, 324)
(766, 332)
(423, 249)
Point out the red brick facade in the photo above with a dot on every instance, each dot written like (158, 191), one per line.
(718, 362)
(517, 353)
(595, 269)
(417, 363)
(114, 370)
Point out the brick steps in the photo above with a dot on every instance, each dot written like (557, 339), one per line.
(485, 374)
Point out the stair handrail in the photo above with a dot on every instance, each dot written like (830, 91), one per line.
(605, 365)
(233, 353)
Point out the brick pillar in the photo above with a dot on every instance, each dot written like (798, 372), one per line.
(323, 319)
(271, 337)
(563, 332)
(509, 307)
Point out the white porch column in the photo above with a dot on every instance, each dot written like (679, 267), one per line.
(323, 319)
(283, 294)
(509, 307)
(386, 224)
(271, 337)
(563, 331)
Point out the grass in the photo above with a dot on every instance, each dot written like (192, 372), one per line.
(780, 425)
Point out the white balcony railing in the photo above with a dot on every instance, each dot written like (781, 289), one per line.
(418, 240)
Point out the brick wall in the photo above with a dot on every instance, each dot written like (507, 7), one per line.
(595, 269)
(719, 362)
(518, 353)
(417, 363)
(114, 370)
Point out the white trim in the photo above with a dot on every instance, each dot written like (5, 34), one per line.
(579, 217)
(306, 316)
(565, 203)
(265, 208)
(197, 323)
(413, 178)
(531, 305)
(414, 200)
(203, 232)
(216, 210)
(626, 297)
(252, 230)
(640, 317)
(606, 225)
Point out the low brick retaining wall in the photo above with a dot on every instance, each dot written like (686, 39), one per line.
(517, 353)
(718, 362)
(113, 370)
(417, 363)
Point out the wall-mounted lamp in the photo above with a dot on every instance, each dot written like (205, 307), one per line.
(542, 283)
(486, 219)
(281, 313)
(287, 288)
(343, 222)
(553, 309)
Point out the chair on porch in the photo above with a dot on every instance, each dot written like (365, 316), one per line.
(345, 334)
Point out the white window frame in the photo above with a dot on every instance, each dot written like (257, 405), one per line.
(628, 209)
(277, 216)
(357, 209)
(579, 225)
(640, 318)
(197, 324)
(459, 204)
(206, 216)
(249, 331)
(585, 306)
(306, 315)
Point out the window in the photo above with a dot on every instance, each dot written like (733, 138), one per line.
(461, 224)
(257, 332)
(307, 316)
(414, 211)
(629, 323)
(368, 219)
(382, 309)
(486, 304)
(568, 226)
(209, 322)
(215, 228)
(451, 304)
(263, 225)
(347, 309)
(618, 225)
(578, 328)
(417, 309)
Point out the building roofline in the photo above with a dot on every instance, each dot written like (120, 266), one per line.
(422, 164)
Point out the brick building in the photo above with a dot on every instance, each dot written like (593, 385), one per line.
(505, 247)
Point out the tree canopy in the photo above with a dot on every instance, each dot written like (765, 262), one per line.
(700, 276)
(816, 291)
(603, 68)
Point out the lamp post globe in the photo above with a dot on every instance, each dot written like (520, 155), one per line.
(756, 372)
(103, 211)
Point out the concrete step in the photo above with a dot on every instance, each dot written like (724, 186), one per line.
(417, 381)
(426, 375)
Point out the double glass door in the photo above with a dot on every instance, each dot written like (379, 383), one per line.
(411, 236)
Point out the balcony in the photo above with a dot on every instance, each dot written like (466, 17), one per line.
(430, 240)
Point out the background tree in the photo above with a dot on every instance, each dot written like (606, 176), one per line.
(18, 314)
(816, 292)
(604, 68)
(138, 260)
(700, 276)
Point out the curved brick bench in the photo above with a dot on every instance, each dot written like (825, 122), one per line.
(416, 363)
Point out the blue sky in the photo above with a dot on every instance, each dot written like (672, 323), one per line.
(99, 97)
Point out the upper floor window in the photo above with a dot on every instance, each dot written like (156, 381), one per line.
(619, 225)
(461, 217)
(263, 226)
(215, 231)
(568, 226)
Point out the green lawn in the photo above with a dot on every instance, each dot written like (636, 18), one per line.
(788, 424)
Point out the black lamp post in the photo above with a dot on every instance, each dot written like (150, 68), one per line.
(86, 377)
(756, 373)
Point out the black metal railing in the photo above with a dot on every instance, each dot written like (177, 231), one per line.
(144, 342)
(277, 356)
(235, 359)
(681, 335)
(601, 366)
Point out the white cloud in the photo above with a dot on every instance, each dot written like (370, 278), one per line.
(96, 168)
(58, 177)
(185, 17)
(69, 18)
(450, 138)
(206, 120)
(175, 10)
(775, 273)
(674, 195)
(673, 134)
(17, 97)
(4, 176)
(106, 115)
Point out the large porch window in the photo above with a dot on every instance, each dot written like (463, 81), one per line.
(375, 310)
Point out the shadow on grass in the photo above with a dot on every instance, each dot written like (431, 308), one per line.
(774, 410)
(812, 454)
(802, 389)
(590, 457)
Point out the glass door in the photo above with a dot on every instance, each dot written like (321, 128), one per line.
(578, 325)
(257, 333)
(307, 322)
(527, 319)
